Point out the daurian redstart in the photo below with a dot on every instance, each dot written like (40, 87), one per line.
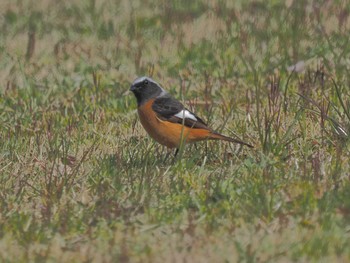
(166, 119)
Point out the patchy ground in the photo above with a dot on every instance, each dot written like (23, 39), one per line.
(80, 180)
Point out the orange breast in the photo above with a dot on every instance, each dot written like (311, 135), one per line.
(168, 133)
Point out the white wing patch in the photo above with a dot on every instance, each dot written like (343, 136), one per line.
(186, 114)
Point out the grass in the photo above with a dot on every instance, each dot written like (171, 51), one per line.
(82, 182)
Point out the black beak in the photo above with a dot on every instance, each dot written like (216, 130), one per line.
(132, 88)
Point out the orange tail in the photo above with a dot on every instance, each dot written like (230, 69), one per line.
(218, 136)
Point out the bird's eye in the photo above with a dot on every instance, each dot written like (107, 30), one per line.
(145, 82)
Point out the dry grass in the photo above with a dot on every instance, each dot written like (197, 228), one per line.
(80, 180)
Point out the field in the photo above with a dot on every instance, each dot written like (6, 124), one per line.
(81, 181)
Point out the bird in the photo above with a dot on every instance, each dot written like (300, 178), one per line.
(167, 120)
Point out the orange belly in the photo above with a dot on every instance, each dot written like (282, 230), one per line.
(168, 133)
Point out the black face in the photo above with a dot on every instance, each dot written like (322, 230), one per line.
(145, 89)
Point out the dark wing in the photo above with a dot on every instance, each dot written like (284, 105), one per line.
(169, 109)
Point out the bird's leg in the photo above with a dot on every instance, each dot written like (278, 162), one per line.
(175, 155)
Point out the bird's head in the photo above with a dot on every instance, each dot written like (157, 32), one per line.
(145, 88)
